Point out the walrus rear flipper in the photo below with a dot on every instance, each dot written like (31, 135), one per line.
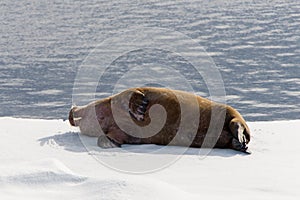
(241, 136)
(236, 145)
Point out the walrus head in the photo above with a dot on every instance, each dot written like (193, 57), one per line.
(71, 116)
(87, 119)
(74, 121)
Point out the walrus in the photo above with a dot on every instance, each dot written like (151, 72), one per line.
(135, 110)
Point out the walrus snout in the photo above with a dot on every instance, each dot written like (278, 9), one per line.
(73, 119)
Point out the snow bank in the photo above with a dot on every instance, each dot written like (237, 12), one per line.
(45, 159)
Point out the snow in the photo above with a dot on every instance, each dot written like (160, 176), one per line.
(45, 159)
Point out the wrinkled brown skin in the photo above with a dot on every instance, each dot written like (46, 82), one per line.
(235, 133)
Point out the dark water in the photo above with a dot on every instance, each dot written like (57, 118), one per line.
(254, 44)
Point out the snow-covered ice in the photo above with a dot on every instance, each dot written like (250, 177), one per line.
(254, 44)
(45, 159)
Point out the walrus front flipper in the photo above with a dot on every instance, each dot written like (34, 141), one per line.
(138, 105)
(106, 142)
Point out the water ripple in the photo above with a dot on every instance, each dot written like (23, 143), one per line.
(255, 45)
